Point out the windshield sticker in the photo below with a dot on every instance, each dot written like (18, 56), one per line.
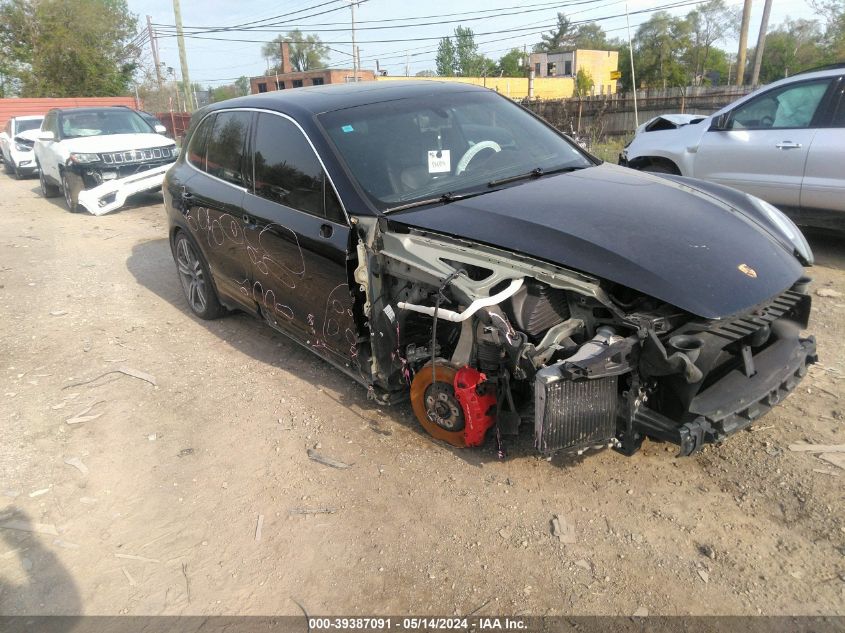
(347, 129)
(439, 161)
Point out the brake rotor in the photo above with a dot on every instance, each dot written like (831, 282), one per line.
(435, 404)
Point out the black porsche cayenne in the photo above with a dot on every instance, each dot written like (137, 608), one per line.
(437, 241)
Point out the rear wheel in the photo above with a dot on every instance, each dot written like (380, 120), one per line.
(196, 280)
(47, 190)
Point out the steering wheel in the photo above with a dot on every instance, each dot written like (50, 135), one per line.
(473, 151)
(767, 121)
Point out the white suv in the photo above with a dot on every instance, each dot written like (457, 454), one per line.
(98, 157)
(16, 141)
(784, 143)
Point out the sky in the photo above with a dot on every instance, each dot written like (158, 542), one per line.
(213, 62)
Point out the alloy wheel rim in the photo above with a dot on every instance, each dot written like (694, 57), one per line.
(191, 275)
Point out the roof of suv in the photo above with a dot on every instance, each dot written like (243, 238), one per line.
(92, 109)
(318, 99)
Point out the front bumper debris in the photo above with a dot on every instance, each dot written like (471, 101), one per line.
(112, 194)
(735, 401)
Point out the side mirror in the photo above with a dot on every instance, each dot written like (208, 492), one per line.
(160, 129)
(45, 135)
(720, 122)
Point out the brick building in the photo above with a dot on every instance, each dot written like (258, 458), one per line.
(286, 78)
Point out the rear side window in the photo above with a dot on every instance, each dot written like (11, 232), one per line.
(288, 172)
(199, 144)
(224, 157)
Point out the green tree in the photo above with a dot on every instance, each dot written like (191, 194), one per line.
(583, 83)
(591, 36)
(660, 48)
(307, 52)
(470, 62)
(711, 22)
(64, 48)
(559, 38)
(458, 55)
(446, 60)
(794, 46)
(229, 91)
(509, 64)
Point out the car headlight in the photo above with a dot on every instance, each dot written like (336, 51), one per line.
(83, 159)
(787, 228)
(22, 148)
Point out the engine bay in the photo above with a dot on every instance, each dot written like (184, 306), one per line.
(486, 340)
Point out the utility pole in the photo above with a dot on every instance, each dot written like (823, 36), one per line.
(407, 64)
(633, 74)
(761, 43)
(354, 47)
(154, 49)
(183, 57)
(743, 43)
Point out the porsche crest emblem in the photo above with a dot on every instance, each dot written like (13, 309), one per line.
(746, 269)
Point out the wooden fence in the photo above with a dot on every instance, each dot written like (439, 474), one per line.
(613, 115)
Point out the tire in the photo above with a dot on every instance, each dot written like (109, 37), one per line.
(195, 279)
(659, 168)
(17, 173)
(47, 190)
(6, 166)
(71, 196)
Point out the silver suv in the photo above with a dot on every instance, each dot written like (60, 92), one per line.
(784, 143)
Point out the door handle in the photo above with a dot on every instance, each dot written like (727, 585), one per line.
(788, 145)
(187, 200)
(326, 230)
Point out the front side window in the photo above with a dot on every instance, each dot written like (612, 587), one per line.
(101, 123)
(408, 150)
(789, 107)
(226, 143)
(288, 172)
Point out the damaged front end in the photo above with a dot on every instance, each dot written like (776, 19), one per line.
(103, 181)
(484, 338)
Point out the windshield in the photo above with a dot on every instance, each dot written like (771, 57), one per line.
(416, 149)
(102, 122)
(24, 125)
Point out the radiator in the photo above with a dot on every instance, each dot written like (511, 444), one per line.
(573, 413)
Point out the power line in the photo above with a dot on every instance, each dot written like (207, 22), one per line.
(425, 52)
(401, 26)
(283, 15)
(674, 5)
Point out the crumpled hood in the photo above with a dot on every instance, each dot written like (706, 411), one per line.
(115, 143)
(29, 135)
(665, 238)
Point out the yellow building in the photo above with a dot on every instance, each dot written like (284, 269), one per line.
(554, 75)
(599, 64)
(512, 87)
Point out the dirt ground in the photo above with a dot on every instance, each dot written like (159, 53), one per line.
(161, 513)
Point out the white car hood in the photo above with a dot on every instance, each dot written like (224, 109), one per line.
(115, 143)
(29, 135)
